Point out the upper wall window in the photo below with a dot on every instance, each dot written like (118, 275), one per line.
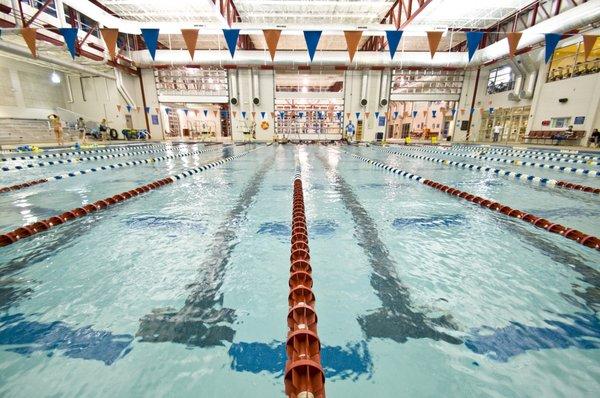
(501, 79)
(569, 61)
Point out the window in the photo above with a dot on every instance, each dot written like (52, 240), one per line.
(569, 61)
(560, 122)
(501, 79)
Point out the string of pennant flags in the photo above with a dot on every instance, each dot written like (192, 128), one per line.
(311, 37)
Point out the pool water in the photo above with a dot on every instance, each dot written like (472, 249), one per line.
(183, 291)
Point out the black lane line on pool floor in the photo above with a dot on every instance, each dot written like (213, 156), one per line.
(396, 320)
(202, 321)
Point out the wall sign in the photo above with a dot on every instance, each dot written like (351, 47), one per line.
(381, 121)
(579, 120)
(154, 119)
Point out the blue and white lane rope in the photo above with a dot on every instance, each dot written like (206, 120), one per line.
(563, 169)
(550, 158)
(499, 150)
(81, 152)
(196, 170)
(77, 160)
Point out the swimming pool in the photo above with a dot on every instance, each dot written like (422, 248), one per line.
(183, 291)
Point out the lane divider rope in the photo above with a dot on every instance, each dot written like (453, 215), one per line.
(77, 160)
(542, 181)
(43, 225)
(304, 375)
(569, 233)
(512, 150)
(60, 177)
(564, 169)
(81, 152)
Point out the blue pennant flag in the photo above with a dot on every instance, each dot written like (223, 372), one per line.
(453, 112)
(376, 115)
(393, 38)
(231, 37)
(151, 39)
(415, 114)
(262, 115)
(433, 112)
(244, 114)
(339, 115)
(395, 115)
(281, 114)
(167, 110)
(185, 110)
(357, 115)
(472, 110)
(552, 40)
(147, 109)
(206, 113)
(70, 36)
(312, 41)
(128, 108)
(473, 40)
(300, 115)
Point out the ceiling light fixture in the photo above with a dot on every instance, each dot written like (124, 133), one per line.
(55, 77)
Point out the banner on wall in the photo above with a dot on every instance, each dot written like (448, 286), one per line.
(29, 37)
(190, 37)
(231, 37)
(150, 36)
(70, 36)
(312, 37)
(110, 39)
(272, 38)
(433, 38)
(393, 38)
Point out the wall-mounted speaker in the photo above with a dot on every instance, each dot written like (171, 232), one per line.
(255, 100)
(563, 100)
(363, 102)
(234, 101)
(383, 102)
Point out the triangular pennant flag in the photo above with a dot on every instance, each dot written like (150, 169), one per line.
(352, 40)
(312, 41)
(473, 40)
(190, 36)
(253, 115)
(513, 42)
(424, 113)
(357, 115)
(367, 114)
(244, 114)
(70, 36)
(472, 110)
(414, 114)
(434, 112)
(205, 113)
(404, 114)
(263, 114)
(393, 38)
(339, 115)
(272, 115)
(281, 114)
(272, 38)
(137, 109)
(462, 111)
(196, 112)
(215, 113)
(231, 37)
(588, 44)
(347, 115)
(151, 39)
(110, 39)
(118, 108)
(434, 41)
(29, 37)
(147, 109)
(234, 113)
(167, 110)
(454, 111)
(185, 110)
(376, 115)
(157, 110)
(552, 40)
(128, 108)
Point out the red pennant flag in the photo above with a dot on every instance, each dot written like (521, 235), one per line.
(118, 108)
(29, 37)
(215, 113)
(234, 113)
(137, 108)
(434, 41)
(253, 115)
(110, 39)
(157, 110)
(352, 40)
(190, 36)
(272, 38)
(367, 114)
(462, 111)
(513, 42)
(404, 114)
(348, 115)
(588, 44)
(424, 113)
(273, 115)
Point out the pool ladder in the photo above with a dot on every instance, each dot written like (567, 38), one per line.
(304, 376)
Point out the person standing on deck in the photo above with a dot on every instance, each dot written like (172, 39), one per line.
(497, 132)
(350, 130)
(56, 125)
